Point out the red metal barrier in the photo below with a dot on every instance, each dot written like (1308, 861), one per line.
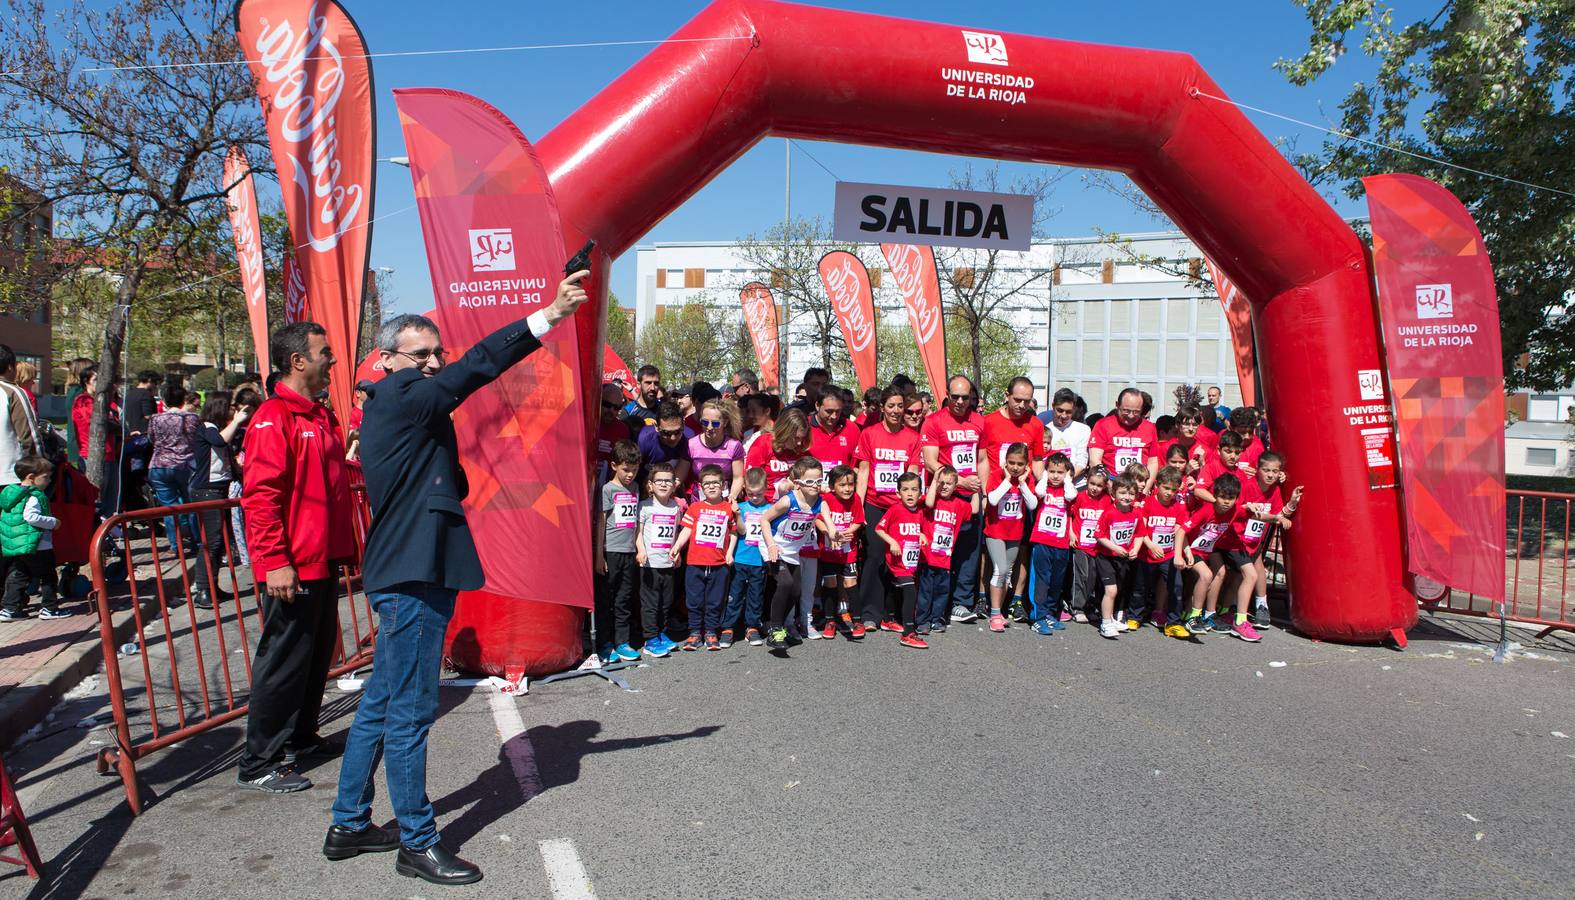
(1537, 580)
(184, 638)
(14, 830)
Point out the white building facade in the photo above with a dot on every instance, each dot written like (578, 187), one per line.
(1096, 321)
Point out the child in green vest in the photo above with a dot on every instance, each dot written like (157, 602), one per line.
(26, 550)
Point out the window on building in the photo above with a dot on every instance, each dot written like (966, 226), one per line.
(1210, 319)
(1549, 407)
(694, 278)
(661, 278)
(1066, 357)
(1208, 358)
(1542, 457)
(1178, 317)
(1148, 315)
(1176, 361)
(1120, 316)
(1120, 358)
(1093, 356)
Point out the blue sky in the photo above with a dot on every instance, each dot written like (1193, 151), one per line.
(1237, 41)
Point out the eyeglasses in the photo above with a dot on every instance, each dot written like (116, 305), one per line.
(808, 482)
(420, 357)
(711, 423)
(913, 413)
(662, 482)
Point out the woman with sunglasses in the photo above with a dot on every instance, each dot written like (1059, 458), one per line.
(718, 444)
(885, 451)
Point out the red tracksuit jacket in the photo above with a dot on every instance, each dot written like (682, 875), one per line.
(297, 493)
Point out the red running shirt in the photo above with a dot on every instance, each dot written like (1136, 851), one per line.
(1204, 529)
(888, 455)
(1159, 525)
(1246, 532)
(709, 525)
(1124, 447)
(1007, 519)
(907, 527)
(842, 515)
(761, 456)
(1085, 517)
(957, 440)
(941, 527)
(1120, 527)
(1000, 432)
(1053, 523)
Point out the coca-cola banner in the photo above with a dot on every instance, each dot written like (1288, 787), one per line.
(296, 303)
(760, 316)
(1441, 341)
(314, 82)
(913, 268)
(847, 283)
(1238, 313)
(616, 371)
(496, 253)
(248, 246)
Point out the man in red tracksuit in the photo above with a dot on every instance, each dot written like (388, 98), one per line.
(296, 502)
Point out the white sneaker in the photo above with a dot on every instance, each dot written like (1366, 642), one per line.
(811, 634)
(1109, 628)
(1080, 617)
(1120, 622)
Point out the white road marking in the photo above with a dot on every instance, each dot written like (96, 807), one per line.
(516, 745)
(565, 873)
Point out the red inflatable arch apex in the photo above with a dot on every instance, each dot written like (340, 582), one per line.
(683, 113)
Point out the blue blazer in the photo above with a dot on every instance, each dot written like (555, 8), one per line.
(414, 481)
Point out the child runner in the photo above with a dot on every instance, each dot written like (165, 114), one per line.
(659, 514)
(901, 529)
(838, 565)
(1260, 507)
(1197, 537)
(947, 511)
(27, 542)
(708, 532)
(1010, 500)
(1161, 512)
(1244, 422)
(618, 519)
(1052, 542)
(1223, 463)
(786, 528)
(1086, 510)
(749, 573)
(1116, 533)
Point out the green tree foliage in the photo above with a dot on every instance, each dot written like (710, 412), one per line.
(1486, 85)
(620, 329)
(689, 342)
(1000, 360)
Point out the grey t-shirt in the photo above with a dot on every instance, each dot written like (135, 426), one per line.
(622, 506)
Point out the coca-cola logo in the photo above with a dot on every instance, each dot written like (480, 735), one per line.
(760, 314)
(294, 291)
(846, 288)
(247, 250)
(305, 77)
(907, 266)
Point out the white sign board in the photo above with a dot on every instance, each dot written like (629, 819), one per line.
(891, 214)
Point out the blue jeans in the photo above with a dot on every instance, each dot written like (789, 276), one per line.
(965, 561)
(170, 487)
(705, 589)
(935, 587)
(398, 706)
(1050, 567)
(746, 596)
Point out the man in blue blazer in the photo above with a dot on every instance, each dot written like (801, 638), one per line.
(419, 556)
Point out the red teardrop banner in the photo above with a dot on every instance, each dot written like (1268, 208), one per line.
(242, 202)
(760, 316)
(913, 268)
(847, 283)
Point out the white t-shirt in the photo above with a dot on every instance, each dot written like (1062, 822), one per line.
(1071, 440)
(659, 530)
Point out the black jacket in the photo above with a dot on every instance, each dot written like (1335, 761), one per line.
(410, 457)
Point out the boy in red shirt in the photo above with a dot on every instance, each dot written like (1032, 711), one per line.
(838, 567)
(1244, 422)
(1162, 512)
(1222, 463)
(948, 514)
(1010, 501)
(1116, 533)
(1086, 510)
(707, 530)
(1260, 507)
(901, 530)
(1051, 541)
(1196, 538)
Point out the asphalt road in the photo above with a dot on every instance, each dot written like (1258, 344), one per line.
(989, 766)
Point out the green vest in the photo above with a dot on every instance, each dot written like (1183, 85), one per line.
(17, 538)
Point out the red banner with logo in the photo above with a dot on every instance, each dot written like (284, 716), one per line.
(847, 283)
(314, 82)
(496, 253)
(296, 304)
(760, 316)
(616, 371)
(913, 268)
(247, 229)
(1441, 340)
(1238, 314)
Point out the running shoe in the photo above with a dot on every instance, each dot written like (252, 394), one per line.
(829, 632)
(711, 642)
(1133, 624)
(282, 780)
(1080, 617)
(1066, 616)
(753, 637)
(1109, 628)
(776, 639)
(47, 613)
(7, 615)
(1121, 623)
(1043, 626)
(725, 639)
(997, 623)
(1198, 624)
(938, 627)
(1246, 632)
(858, 630)
(1058, 624)
(626, 652)
(962, 613)
(608, 654)
(1177, 631)
(1260, 617)
(921, 630)
(891, 625)
(655, 649)
(693, 642)
(1217, 624)
(914, 641)
(1017, 612)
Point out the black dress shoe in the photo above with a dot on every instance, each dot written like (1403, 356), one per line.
(342, 843)
(435, 865)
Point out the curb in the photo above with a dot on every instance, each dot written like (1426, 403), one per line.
(29, 702)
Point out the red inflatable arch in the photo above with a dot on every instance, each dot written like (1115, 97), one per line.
(683, 113)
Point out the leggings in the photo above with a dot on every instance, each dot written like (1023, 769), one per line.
(1003, 556)
(788, 584)
(909, 591)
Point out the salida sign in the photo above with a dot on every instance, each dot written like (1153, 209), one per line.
(887, 213)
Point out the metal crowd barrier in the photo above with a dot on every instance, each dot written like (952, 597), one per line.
(1537, 576)
(188, 670)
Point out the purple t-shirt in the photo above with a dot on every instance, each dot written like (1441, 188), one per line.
(723, 457)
